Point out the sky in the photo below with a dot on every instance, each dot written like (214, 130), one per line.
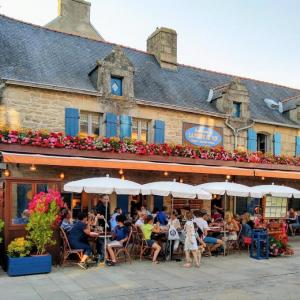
(258, 39)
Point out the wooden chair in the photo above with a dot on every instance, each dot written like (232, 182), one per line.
(143, 246)
(67, 250)
(124, 249)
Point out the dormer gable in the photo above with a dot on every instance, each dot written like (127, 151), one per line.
(113, 75)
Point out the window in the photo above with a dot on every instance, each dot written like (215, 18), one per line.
(262, 142)
(236, 110)
(21, 195)
(90, 123)
(140, 129)
(116, 86)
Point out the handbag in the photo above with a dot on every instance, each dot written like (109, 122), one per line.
(173, 234)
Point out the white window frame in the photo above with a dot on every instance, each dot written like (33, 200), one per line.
(90, 122)
(139, 128)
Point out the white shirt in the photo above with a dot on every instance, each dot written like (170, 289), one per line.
(139, 222)
(202, 224)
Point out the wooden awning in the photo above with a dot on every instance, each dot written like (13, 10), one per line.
(18, 158)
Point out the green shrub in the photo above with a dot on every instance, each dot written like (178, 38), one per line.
(1, 229)
(19, 247)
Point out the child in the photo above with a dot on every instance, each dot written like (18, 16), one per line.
(190, 243)
(147, 229)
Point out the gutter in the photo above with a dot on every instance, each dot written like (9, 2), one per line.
(51, 87)
(179, 108)
(277, 124)
(237, 131)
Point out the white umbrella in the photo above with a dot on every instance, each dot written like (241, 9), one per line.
(274, 190)
(174, 189)
(225, 187)
(103, 185)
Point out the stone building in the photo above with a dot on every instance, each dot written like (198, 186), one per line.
(65, 77)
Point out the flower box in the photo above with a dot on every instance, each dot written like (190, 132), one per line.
(30, 265)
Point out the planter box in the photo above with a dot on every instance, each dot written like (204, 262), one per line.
(29, 265)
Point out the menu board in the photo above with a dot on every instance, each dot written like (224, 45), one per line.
(275, 207)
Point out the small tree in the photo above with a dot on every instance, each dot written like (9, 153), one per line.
(44, 215)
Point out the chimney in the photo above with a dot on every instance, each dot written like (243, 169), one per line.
(162, 43)
(74, 17)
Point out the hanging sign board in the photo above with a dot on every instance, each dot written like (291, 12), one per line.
(202, 135)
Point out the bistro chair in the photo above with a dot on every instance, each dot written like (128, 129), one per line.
(124, 250)
(67, 250)
(143, 246)
(232, 246)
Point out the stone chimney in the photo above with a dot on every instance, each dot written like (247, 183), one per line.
(162, 43)
(74, 17)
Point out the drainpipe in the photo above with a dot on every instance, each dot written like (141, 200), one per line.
(237, 131)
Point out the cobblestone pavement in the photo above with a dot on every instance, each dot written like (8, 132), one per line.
(232, 277)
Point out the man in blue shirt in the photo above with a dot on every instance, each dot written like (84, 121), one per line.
(162, 217)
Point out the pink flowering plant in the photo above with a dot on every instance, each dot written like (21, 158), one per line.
(44, 216)
(93, 143)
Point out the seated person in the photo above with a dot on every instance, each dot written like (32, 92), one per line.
(291, 219)
(216, 216)
(24, 219)
(201, 221)
(162, 217)
(120, 237)
(66, 223)
(147, 229)
(78, 237)
(113, 219)
(141, 220)
(232, 226)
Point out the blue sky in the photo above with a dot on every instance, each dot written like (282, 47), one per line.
(253, 38)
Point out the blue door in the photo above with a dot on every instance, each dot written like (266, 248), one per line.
(158, 202)
(122, 202)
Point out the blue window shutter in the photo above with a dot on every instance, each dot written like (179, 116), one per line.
(159, 132)
(71, 121)
(158, 202)
(297, 152)
(277, 144)
(111, 125)
(122, 202)
(125, 126)
(252, 140)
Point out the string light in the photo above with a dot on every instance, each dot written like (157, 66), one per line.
(263, 178)
(62, 175)
(32, 168)
(181, 180)
(121, 172)
(6, 173)
(228, 177)
(166, 173)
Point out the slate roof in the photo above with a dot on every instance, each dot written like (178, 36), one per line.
(35, 54)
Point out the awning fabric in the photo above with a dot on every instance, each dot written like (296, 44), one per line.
(66, 161)
(120, 164)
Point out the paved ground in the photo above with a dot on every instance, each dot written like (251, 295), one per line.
(232, 277)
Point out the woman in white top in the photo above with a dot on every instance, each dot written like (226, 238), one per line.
(190, 244)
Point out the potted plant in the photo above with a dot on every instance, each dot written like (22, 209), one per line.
(44, 216)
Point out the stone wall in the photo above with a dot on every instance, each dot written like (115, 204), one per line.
(24, 107)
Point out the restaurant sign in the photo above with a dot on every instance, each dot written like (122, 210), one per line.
(201, 135)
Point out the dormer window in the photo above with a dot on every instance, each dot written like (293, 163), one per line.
(116, 86)
(236, 110)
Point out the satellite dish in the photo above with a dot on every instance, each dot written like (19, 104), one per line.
(273, 104)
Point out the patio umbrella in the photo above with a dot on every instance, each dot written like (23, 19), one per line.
(274, 190)
(103, 185)
(226, 188)
(174, 189)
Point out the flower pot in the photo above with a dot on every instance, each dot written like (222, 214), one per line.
(18, 266)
